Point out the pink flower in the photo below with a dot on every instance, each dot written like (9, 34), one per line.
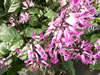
(98, 41)
(83, 59)
(94, 60)
(60, 46)
(67, 35)
(30, 55)
(86, 45)
(72, 20)
(12, 24)
(97, 55)
(35, 36)
(45, 63)
(28, 4)
(59, 34)
(97, 45)
(54, 58)
(21, 51)
(63, 2)
(1, 62)
(73, 30)
(67, 56)
(12, 20)
(37, 58)
(74, 3)
(41, 52)
(24, 17)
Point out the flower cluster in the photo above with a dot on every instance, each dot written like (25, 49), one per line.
(23, 17)
(83, 51)
(63, 37)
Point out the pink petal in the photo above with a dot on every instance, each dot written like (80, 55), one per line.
(63, 2)
(25, 4)
(29, 55)
(45, 63)
(54, 58)
(59, 35)
(31, 4)
(37, 58)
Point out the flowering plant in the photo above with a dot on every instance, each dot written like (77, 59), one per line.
(45, 36)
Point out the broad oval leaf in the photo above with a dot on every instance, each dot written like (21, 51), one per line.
(12, 5)
(9, 35)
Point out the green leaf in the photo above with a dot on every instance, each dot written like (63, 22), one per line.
(28, 31)
(1, 1)
(47, 1)
(17, 44)
(98, 19)
(96, 66)
(2, 12)
(10, 35)
(3, 27)
(16, 66)
(50, 13)
(3, 48)
(33, 21)
(33, 11)
(70, 67)
(94, 37)
(12, 5)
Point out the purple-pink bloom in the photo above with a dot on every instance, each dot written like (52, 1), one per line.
(28, 4)
(24, 17)
(83, 59)
(41, 52)
(59, 34)
(21, 51)
(45, 63)
(54, 58)
(74, 3)
(12, 20)
(37, 58)
(98, 41)
(30, 55)
(63, 2)
(97, 45)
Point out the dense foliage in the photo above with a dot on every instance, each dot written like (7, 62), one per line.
(49, 35)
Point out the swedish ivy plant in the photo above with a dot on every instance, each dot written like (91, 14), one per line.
(49, 35)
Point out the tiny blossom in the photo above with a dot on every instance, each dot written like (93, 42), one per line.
(97, 45)
(98, 41)
(54, 58)
(63, 2)
(1, 64)
(24, 17)
(74, 3)
(41, 52)
(28, 4)
(21, 51)
(13, 20)
(97, 51)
